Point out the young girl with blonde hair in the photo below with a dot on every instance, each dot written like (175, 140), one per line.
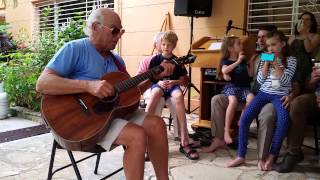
(238, 72)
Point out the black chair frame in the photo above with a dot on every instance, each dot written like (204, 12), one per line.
(170, 119)
(96, 152)
(315, 124)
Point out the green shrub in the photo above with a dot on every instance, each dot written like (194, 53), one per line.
(3, 27)
(22, 68)
(19, 78)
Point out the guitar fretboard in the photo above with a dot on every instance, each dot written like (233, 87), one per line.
(134, 81)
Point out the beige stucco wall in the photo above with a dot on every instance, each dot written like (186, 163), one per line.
(20, 18)
(142, 18)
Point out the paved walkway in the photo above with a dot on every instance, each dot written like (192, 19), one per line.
(28, 158)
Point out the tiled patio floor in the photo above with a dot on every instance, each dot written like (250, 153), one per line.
(28, 158)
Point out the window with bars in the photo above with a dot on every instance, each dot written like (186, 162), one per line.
(53, 14)
(281, 13)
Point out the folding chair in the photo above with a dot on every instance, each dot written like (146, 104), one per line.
(315, 124)
(97, 150)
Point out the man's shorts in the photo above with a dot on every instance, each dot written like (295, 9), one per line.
(117, 125)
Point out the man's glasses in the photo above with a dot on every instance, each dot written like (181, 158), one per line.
(114, 30)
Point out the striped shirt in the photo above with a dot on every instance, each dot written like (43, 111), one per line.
(280, 86)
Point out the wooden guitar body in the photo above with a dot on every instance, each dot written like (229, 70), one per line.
(78, 128)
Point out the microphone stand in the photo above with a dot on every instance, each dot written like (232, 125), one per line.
(190, 84)
(234, 27)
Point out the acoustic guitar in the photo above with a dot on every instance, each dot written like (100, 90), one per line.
(79, 121)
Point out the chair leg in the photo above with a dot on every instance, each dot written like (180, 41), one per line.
(53, 153)
(97, 163)
(170, 121)
(74, 164)
(316, 139)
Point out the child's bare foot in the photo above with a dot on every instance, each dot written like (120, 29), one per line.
(269, 162)
(215, 144)
(236, 162)
(227, 136)
(261, 164)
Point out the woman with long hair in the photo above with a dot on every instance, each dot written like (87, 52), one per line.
(303, 44)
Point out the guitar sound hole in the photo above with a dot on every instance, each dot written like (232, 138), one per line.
(105, 104)
(108, 99)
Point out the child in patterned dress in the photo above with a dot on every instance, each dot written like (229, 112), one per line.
(238, 72)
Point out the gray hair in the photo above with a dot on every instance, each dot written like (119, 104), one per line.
(95, 16)
(157, 37)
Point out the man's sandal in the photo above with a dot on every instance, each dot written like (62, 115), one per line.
(188, 152)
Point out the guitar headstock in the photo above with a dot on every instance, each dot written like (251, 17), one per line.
(187, 59)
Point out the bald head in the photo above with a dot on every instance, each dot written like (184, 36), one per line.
(100, 16)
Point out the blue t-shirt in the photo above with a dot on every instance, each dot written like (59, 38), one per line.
(79, 59)
(239, 75)
(179, 70)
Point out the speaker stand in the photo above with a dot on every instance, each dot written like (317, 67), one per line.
(190, 84)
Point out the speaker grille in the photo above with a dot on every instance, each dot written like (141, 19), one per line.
(181, 8)
(196, 8)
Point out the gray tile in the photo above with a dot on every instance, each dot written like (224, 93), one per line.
(29, 159)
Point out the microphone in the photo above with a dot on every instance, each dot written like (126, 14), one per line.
(229, 26)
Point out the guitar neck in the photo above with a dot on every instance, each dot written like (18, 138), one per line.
(134, 81)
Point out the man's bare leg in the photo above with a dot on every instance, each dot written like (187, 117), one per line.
(236, 162)
(135, 139)
(157, 145)
(269, 162)
(261, 164)
(215, 144)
